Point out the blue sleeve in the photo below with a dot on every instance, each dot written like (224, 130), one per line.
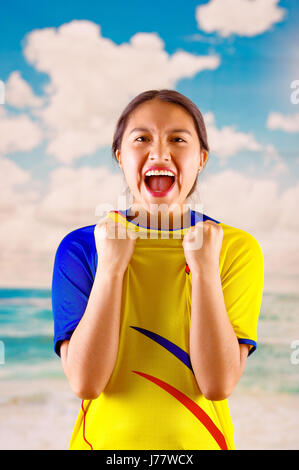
(71, 285)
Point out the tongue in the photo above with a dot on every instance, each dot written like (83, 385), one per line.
(159, 183)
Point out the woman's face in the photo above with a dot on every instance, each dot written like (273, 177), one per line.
(160, 134)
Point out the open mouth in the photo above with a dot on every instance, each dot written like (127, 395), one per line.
(159, 185)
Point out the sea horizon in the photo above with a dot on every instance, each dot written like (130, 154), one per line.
(27, 329)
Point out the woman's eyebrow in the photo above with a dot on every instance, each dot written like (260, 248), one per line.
(143, 129)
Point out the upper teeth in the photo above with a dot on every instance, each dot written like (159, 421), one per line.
(158, 172)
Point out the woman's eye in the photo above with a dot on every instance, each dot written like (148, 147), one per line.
(175, 138)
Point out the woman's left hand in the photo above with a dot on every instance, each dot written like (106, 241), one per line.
(202, 245)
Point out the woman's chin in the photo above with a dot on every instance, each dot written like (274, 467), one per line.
(152, 204)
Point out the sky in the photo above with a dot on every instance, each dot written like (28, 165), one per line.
(67, 71)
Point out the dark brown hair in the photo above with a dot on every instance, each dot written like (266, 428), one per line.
(170, 96)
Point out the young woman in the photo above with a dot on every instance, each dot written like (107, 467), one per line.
(155, 310)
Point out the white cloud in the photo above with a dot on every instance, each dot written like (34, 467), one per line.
(34, 227)
(2, 92)
(74, 194)
(289, 208)
(286, 123)
(19, 235)
(13, 192)
(240, 17)
(257, 206)
(240, 201)
(92, 79)
(31, 234)
(18, 133)
(227, 141)
(18, 92)
(272, 157)
(26, 249)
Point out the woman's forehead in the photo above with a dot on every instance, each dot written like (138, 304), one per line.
(170, 116)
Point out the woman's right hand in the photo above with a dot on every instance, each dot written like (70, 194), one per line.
(115, 245)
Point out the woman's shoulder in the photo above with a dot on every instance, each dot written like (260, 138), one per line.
(80, 235)
(78, 241)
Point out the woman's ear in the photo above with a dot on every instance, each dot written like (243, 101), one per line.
(203, 157)
(117, 154)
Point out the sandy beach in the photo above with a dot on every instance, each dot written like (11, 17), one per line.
(39, 415)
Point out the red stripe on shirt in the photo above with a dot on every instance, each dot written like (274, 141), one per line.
(191, 406)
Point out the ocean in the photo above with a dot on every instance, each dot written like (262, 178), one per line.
(26, 332)
(26, 341)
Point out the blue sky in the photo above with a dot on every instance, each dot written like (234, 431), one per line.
(253, 78)
(258, 59)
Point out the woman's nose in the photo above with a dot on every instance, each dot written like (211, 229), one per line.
(158, 151)
(158, 157)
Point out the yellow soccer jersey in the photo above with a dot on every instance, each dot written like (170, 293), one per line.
(152, 400)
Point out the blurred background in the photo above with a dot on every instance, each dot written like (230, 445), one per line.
(67, 71)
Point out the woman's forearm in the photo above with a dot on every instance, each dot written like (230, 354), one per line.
(93, 347)
(214, 348)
